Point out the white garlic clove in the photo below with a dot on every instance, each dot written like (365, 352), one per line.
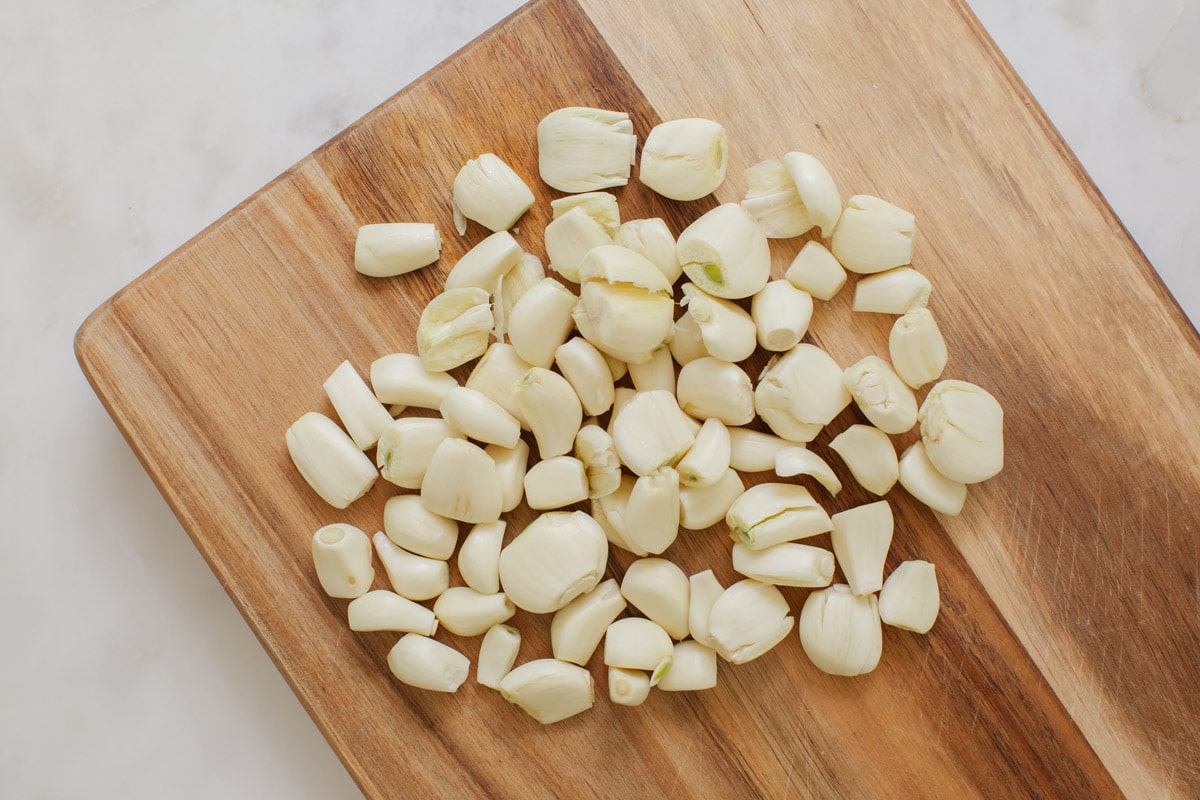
(511, 287)
(653, 511)
(412, 576)
(637, 643)
(628, 687)
(555, 483)
(329, 460)
(787, 564)
(411, 525)
(479, 556)
(653, 239)
(578, 627)
(693, 668)
(962, 428)
(921, 479)
(870, 456)
(893, 291)
(816, 271)
(917, 349)
(541, 321)
(725, 253)
(595, 448)
(659, 589)
(387, 249)
(511, 463)
(747, 620)
(873, 235)
(342, 557)
(800, 392)
(910, 599)
(656, 373)
(485, 264)
(559, 556)
(549, 690)
(466, 612)
(488, 191)
(551, 408)
(684, 159)
(586, 369)
(651, 431)
(754, 451)
(861, 537)
(703, 507)
(781, 314)
(399, 379)
(496, 374)
(497, 654)
(709, 388)
(424, 663)
(479, 417)
(727, 330)
(704, 589)
(568, 239)
(708, 458)
(462, 483)
(454, 328)
(802, 461)
(600, 206)
(771, 513)
(585, 149)
(881, 395)
(840, 631)
(381, 610)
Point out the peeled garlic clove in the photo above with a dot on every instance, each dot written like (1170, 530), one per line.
(541, 321)
(411, 576)
(962, 428)
(869, 455)
(772, 199)
(861, 538)
(479, 417)
(382, 610)
(387, 249)
(555, 482)
(800, 392)
(917, 349)
(748, 619)
(428, 664)
(637, 643)
(588, 330)
(656, 373)
(787, 564)
(816, 190)
(559, 556)
(496, 374)
(704, 589)
(462, 483)
(489, 192)
(772, 513)
(909, 599)
(551, 408)
(752, 451)
(880, 394)
(569, 238)
(684, 159)
(660, 590)
(781, 314)
(466, 612)
(479, 557)
(342, 557)
(703, 507)
(409, 524)
(628, 687)
(454, 328)
(511, 287)
(873, 235)
(653, 511)
(621, 398)
(713, 389)
(693, 668)
(922, 480)
(584, 149)
(329, 460)
(600, 206)
(594, 447)
(611, 512)
(816, 271)
(708, 458)
(616, 366)
(399, 379)
(651, 431)
(687, 344)
(840, 631)
(549, 690)
(486, 263)
(801, 461)
(511, 463)
(578, 627)
(497, 654)
(893, 291)
(653, 239)
(586, 369)
(727, 331)
(725, 253)
(627, 301)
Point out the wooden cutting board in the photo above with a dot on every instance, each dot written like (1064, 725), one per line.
(1064, 661)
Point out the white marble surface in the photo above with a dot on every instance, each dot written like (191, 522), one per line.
(126, 126)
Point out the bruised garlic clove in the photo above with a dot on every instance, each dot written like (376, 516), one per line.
(687, 344)
(873, 235)
(541, 321)
(800, 392)
(399, 379)
(713, 389)
(728, 332)
(551, 408)
(725, 253)
(787, 564)
(584, 149)
(578, 627)
(917, 349)
(424, 663)
(600, 206)
(653, 239)
(651, 431)
(465, 612)
(861, 538)
(693, 668)
(479, 556)
(627, 302)
(486, 263)
(637, 643)
(462, 483)
(559, 556)
(411, 576)
(511, 463)
(840, 631)
(770, 513)
(909, 599)
(921, 479)
(659, 589)
(816, 271)
(656, 373)
(628, 687)
(586, 369)
(880, 394)
(748, 619)
(703, 591)
(454, 328)
(869, 455)
(684, 159)
(781, 314)
(653, 511)
(497, 654)
(893, 291)
(708, 458)
(549, 690)
(801, 461)
(511, 287)
(387, 249)
(496, 374)
(611, 512)
(555, 482)
(479, 417)
(382, 610)
(752, 451)
(342, 557)
(329, 460)
(409, 524)
(962, 428)
(703, 507)
(594, 447)
(489, 192)
(569, 238)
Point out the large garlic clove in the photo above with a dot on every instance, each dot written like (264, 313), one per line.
(586, 369)
(555, 483)
(840, 631)
(488, 191)
(910, 599)
(382, 610)
(387, 249)
(659, 589)
(551, 408)
(861, 537)
(781, 314)
(816, 271)
(496, 374)
(541, 321)
(651, 431)
(479, 417)
(684, 159)
(462, 483)
(917, 349)
(708, 458)
(787, 564)
(637, 643)
(802, 461)
(653, 511)
(454, 328)
(883, 398)
(578, 627)
(693, 668)
(486, 263)
(728, 332)
(870, 456)
(921, 479)
(816, 189)
(411, 576)
(748, 619)
(585, 149)
(703, 507)
(873, 235)
(626, 300)
(772, 200)
(466, 612)
(653, 239)
(559, 556)
(600, 206)
(497, 654)
(962, 428)
(893, 291)
(725, 253)
(411, 525)
(424, 663)
(771, 513)
(342, 557)
(595, 448)
(800, 392)
(399, 379)
(549, 690)
(329, 460)
(569, 238)
(709, 388)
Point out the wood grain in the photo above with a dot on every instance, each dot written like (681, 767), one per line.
(1063, 662)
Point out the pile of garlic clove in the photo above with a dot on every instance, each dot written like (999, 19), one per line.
(667, 453)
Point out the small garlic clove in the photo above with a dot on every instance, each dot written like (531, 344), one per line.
(861, 538)
(910, 599)
(496, 374)
(585, 149)
(600, 206)
(753, 451)
(816, 271)
(411, 525)
(611, 512)
(387, 249)
(466, 612)
(687, 344)
(772, 199)
(816, 190)
(917, 349)
(628, 687)
(578, 627)
(748, 619)
(488, 191)
(684, 159)
(921, 479)
(800, 392)
(511, 287)
(727, 330)
(541, 321)
(787, 564)
(462, 483)
(873, 235)
(781, 314)
(704, 589)
(962, 428)
(653, 239)
(656, 373)
(637, 643)
(725, 253)
(555, 483)
(479, 417)
(771, 513)
(653, 511)
(616, 366)
(659, 589)
(549, 690)
(485, 264)
(399, 379)
(479, 556)
(511, 463)
(381, 610)
(569, 238)
(342, 557)
(651, 431)
(412, 576)
(559, 556)
(840, 631)
(893, 291)
(693, 668)
(594, 447)
(497, 654)
(424, 663)
(586, 369)
(802, 461)
(879, 393)
(329, 460)
(709, 388)
(708, 458)
(870, 456)
(551, 408)
(703, 507)
(454, 328)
